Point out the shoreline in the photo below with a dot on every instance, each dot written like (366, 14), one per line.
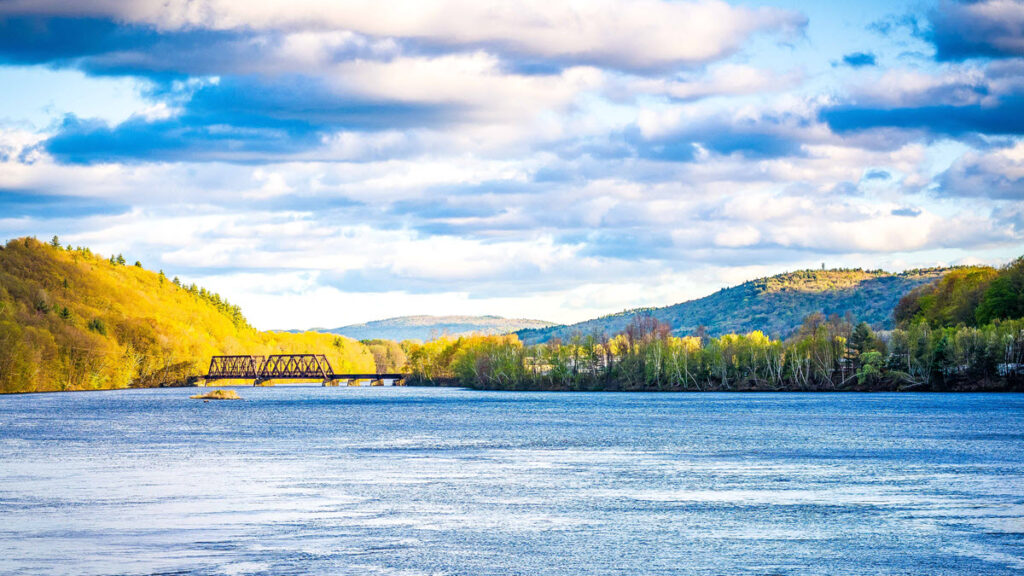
(563, 391)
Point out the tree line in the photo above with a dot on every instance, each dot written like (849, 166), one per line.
(962, 332)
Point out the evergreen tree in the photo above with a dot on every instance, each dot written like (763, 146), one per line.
(98, 326)
(862, 340)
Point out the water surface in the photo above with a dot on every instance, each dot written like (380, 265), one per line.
(406, 481)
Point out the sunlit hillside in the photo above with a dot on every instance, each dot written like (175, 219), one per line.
(74, 320)
(775, 305)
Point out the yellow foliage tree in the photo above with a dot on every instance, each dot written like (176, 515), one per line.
(71, 320)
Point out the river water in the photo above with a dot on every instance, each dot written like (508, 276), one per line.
(407, 481)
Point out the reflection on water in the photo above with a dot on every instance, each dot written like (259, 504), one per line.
(439, 481)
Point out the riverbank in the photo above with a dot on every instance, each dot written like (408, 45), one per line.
(747, 387)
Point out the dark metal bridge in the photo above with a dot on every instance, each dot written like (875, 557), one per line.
(264, 369)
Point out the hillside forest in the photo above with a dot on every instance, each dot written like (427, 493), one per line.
(962, 331)
(74, 320)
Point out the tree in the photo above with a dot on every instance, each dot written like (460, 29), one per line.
(862, 340)
(98, 326)
(120, 259)
(1005, 296)
(870, 370)
(55, 242)
(948, 301)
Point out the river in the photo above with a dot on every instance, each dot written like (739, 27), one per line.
(419, 481)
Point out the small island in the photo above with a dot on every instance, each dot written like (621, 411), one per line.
(218, 395)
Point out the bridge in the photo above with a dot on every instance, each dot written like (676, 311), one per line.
(265, 369)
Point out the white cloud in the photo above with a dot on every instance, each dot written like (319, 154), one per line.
(634, 34)
(996, 174)
(553, 186)
(474, 80)
(724, 80)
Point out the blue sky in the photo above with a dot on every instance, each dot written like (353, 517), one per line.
(322, 162)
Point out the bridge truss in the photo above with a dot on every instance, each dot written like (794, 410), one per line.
(263, 369)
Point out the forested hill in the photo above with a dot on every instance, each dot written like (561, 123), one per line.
(775, 305)
(73, 320)
(428, 327)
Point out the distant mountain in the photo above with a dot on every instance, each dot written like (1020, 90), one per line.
(427, 327)
(775, 305)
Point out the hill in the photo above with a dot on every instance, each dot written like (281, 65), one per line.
(775, 305)
(968, 296)
(72, 320)
(427, 327)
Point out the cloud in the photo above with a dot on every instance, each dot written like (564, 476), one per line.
(997, 174)
(859, 59)
(1005, 118)
(972, 29)
(28, 204)
(890, 24)
(632, 35)
(244, 118)
(908, 212)
(690, 133)
(961, 101)
(235, 119)
(724, 80)
(439, 156)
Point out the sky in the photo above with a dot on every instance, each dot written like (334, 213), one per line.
(325, 162)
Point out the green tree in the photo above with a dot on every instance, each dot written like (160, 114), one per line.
(870, 371)
(1005, 296)
(862, 340)
(98, 326)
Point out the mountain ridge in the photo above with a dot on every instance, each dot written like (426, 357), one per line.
(425, 326)
(775, 305)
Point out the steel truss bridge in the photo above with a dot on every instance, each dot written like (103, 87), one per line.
(263, 370)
